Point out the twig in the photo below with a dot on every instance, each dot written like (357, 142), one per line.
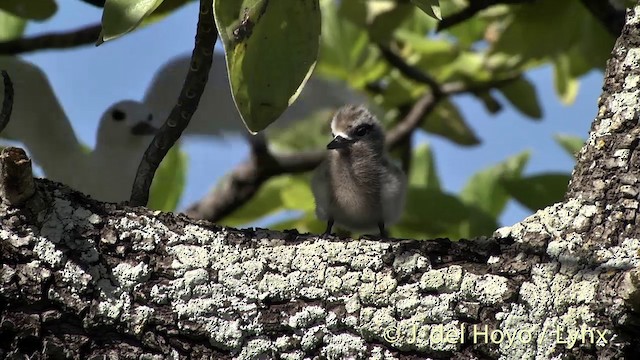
(474, 7)
(7, 101)
(61, 40)
(409, 71)
(611, 18)
(182, 112)
(16, 179)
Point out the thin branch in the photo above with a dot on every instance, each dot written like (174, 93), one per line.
(470, 11)
(60, 40)
(611, 18)
(182, 112)
(409, 71)
(7, 101)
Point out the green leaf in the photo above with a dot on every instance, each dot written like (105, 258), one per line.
(30, 9)
(423, 168)
(270, 49)
(167, 7)
(430, 7)
(305, 134)
(308, 223)
(448, 122)
(122, 16)
(11, 27)
(542, 29)
(297, 195)
(266, 201)
(484, 189)
(571, 144)
(343, 45)
(566, 85)
(521, 93)
(168, 183)
(382, 27)
(538, 191)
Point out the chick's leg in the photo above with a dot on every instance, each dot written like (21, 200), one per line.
(329, 227)
(383, 233)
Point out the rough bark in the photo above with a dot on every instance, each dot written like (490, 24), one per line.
(82, 279)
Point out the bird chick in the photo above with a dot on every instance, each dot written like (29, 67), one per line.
(357, 186)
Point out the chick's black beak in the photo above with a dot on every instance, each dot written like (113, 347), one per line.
(143, 128)
(339, 142)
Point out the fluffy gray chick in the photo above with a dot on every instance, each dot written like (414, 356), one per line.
(357, 186)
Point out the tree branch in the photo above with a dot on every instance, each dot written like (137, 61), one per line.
(60, 40)
(7, 102)
(474, 7)
(182, 112)
(16, 179)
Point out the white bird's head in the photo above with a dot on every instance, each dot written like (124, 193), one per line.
(126, 123)
(355, 127)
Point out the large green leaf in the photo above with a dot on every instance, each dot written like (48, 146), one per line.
(168, 183)
(122, 16)
(538, 191)
(270, 49)
(30, 9)
(297, 195)
(165, 8)
(542, 28)
(430, 7)
(11, 26)
(423, 171)
(448, 122)
(522, 94)
(484, 189)
(571, 144)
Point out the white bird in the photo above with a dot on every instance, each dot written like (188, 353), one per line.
(217, 113)
(358, 186)
(39, 122)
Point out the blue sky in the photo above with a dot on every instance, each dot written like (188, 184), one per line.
(89, 79)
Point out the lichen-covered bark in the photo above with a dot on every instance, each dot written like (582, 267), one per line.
(82, 279)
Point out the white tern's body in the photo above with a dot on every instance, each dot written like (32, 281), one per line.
(358, 186)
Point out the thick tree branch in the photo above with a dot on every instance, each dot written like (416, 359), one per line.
(7, 101)
(186, 105)
(474, 7)
(59, 40)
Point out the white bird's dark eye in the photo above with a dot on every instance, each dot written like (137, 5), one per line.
(362, 130)
(118, 115)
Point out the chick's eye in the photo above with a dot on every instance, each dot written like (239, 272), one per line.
(362, 130)
(118, 115)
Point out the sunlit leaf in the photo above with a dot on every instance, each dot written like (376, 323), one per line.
(484, 189)
(168, 183)
(538, 191)
(382, 27)
(121, 16)
(11, 26)
(266, 201)
(297, 195)
(30, 9)
(423, 168)
(566, 85)
(571, 144)
(307, 223)
(166, 8)
(270, 49)
(522, 94)
(430, 7)
(448, 122)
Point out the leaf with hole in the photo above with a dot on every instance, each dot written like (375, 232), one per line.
(270, 49)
